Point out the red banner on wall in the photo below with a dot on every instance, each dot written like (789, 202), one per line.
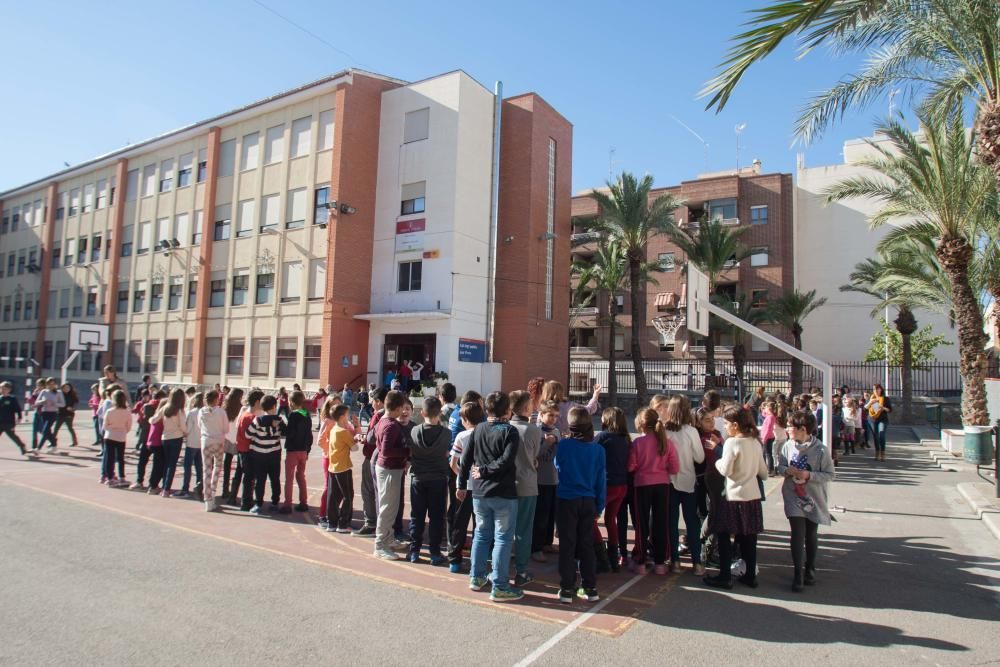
(408, 226)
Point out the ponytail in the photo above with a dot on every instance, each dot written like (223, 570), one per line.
(662, 444)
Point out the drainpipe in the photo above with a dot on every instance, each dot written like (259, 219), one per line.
(491, 276)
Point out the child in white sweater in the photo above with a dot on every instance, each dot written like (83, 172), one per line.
(214, 425)
(192, 446)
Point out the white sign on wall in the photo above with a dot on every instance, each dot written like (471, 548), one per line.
(414, 241)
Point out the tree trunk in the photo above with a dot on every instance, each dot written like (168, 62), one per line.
(710, 357)
(955, 254)
(906, 324)
(612, 375)
(638, 306)
(739, 362)
(988, 135)
(797, 365)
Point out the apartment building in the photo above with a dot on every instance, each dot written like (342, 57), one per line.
(322, 235)
(760, 202)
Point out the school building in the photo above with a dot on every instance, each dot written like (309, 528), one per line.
(322, 236)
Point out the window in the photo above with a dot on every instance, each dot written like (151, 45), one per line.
(170, 355)
(203, 164)
(285, 358)
(758, 345)
(74, 205)
(199, 223)
(22, 260)
(145, 237)
(32, 258)
(213, 356)
(758, 216)
(118, 353)
(270, 214)
(730, 263)
(192, 293)
(666, 261)
(412, 198)
(409, 276)
(11, 258)
(63, 303)
(166, 175)
(60, 354)
(291, 282)
(126, 241)
(265, 288)
(148, 180)
(723, 210)
(320, 199)
(619, 303)
(15, 217)
(301, 136)
(184, 170)
(241, 287)
(758, 256)
(223, 222)
(619, 342)
(95, 248)
(151, 362)
(1, 264)
(122, 306)
(139, 296)
(5, 224)
(70, 253)
(317, 279)
(296, 209)
(758, 298)
(188, 355)
(77, 301)
(247, 212)
(131, 184)
(311, 352)
(17, 308)
(29, 303)
(227, 158)
(88, 198)
(6, 309)
(81, 251)
(325, 130)
(155, 297)
(250, 151)
(91, 301)
(415, 125)
(102, 193)
(182, 227)
(134, 361)
(260, 356)
(111, 202)
(217, 291)
(174, 293)
(235, 354)
(274, 145)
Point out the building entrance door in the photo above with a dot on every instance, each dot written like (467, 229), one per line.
(409, 348)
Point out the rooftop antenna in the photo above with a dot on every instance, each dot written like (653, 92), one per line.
(696, 136)
(611, 163)
(739, 131)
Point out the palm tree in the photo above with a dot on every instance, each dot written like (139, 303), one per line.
(713, 247)
(932, 181)
(936, 51)
(629, 217)
(750, 313)
(790, 311)
(607, 274)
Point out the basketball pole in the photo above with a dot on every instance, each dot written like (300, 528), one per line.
(65, 367)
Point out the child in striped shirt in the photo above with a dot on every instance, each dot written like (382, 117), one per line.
(265, 433)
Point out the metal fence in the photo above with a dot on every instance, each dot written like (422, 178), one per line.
(938, 379)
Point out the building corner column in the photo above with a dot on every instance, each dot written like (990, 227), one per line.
(46, 265)
(205, 256)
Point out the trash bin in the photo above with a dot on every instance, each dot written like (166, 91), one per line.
(933, 414)
(978, 448)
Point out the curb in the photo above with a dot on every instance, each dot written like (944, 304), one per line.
(985, 508)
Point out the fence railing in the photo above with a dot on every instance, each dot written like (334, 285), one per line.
(940, 379)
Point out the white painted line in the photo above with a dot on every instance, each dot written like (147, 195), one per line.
(580, 620)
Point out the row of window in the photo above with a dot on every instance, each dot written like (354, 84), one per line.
(20, 307)
(725, 210)
(759, 257)
(31, 214)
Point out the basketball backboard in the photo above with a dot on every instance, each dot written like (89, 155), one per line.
(697, 297)
(88, 337)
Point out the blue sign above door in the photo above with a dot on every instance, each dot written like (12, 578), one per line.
(472, 350)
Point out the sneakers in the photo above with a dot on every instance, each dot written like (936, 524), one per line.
(166, 493)
(566, 597)
(329, 528)
(399, 546)
(275, 507)
(136, 486)
(749, 581)
(181, 494)
(437, 560)
(209, 506)
(718, 582)
(383, 554)
(153, 491)
(367, 531)
(455, 568)
(302, 507)
(675, 567)
(588, 594)
(699, 570)
(510, 594)
(402, 537)
(123, 482)
(413, 557)
(323, 523)
(523, 579)
(477, 583)
(256, 509)
(659, 569)
(345, 531)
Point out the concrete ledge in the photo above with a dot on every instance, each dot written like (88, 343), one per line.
(981, 499)
(953, 440)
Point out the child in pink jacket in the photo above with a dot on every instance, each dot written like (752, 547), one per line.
(652, 459)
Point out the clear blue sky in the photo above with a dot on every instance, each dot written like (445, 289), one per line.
(84, 78)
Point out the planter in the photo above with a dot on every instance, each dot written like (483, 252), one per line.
(952, 440)
(978, 445)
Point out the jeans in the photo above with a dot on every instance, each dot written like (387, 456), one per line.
(867, 430)
(171, 451)
(495, 518)
(159, 466)
(245, 469)
(878, 430)
(575, 520)
(459, 513)
(67, 419)
(295, 471)
(36, 429)
(326, 487)
(97, 431)
(390, 481)
(804, 542)
(113, 451)
(428, 503)
(140, 468)
(769, 454)
(340, 498)
(523, 530)
(192, 457)
(628, 506)
(48, 421)
(687, 503)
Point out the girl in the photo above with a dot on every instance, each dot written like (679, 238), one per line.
(154, 442)
(653, 459)
(233, 405)
(710, 483)
(866, 425)
(878, 407)
(780, 424)
(282, 402)
(740, 513)
(95, 404)
(174, 428)
(192, 451)
(675, 415)
(67, 412)
(116, 425)
(36, 421)
(767, 434)
(852, 423)
(50, 400)
(325, 430)
(808, 470)
(617, 442)
(553, 391)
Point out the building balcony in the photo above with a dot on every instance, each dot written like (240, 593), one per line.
(583, 311)
(584, 237)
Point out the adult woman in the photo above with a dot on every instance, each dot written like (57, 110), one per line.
(68, 411)
(535, 386)
(234, 407)
(553, 391)
(807, 466)
(740, 513)
(879, 407)
(171, 414)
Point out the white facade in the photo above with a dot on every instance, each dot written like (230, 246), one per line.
(830, 239)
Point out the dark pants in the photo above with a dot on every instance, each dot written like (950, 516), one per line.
(866, 427)
(653, 502)
(159, 465)
(575, 519)
(171, 452)
(748, 552)
(192, 458)
(458, 527)
(97, 431)
(266, 467)
(36, 429)
(769, 454)
(545, 517)
(340, 498)
(48, 421)
(428, 502)
(805, 542)
(67, 419)
(227, 467)
(140, 469)
(397, 525)
(628, 506)
(878, 433)
(113, 451)
(244, 467)
(369, 501)
(688, 504)
(9, 432)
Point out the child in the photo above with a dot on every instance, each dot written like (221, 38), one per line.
(852, 423)
(340, 477)
(675, 416)
(213, 424)
(67, 413)
(390, 464)
(527, 483)
(50, 400)
(837, 424)
(10, 413)
(265, 433)
(460, 511)
(405, 420)
(653, 459)
(710, 481)
(780, 424)
(116, 425)
(429, 446)
(327, 422)
(94, 403)
(617, 442)
(106, 404)
(298, 444)
(154, 442)
(192, 449)
(36, 420)
(580, 498)
(767, 434)
(173, 422)
(548, 479)
(244, 473)
(143, 410)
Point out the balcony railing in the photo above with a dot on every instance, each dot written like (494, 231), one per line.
(584, 237)
(581, 311)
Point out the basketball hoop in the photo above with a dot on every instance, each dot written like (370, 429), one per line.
(668, 326)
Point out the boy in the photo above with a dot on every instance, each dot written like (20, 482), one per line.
(368, 495)
(298, 444)
(243, 472)
(48, 402)
(405, 420)
(447, 397)
(265, 433)
(10, 413)
(580, 497)
(490, 458)
(390, 464)
(527, 483)
(340, 478)
(548, 478)
(460, 511)
(213, 424)
(430, 443)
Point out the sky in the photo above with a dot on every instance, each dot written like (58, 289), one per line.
(85, 78)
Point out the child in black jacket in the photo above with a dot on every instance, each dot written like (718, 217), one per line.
(298, 443)
(10, 414)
